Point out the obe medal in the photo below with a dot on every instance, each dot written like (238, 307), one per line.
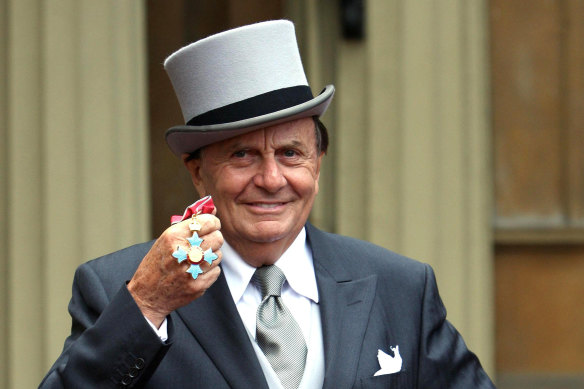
(194, 225)
(195, 255)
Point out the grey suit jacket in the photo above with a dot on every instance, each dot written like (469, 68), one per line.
(370, 299)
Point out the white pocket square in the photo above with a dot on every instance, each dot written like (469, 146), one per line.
(389, 364)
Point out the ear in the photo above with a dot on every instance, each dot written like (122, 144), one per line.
(194, 167)
(317, 176)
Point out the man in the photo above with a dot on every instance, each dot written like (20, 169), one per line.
(290, 306)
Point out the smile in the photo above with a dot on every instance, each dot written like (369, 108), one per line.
(267, 205)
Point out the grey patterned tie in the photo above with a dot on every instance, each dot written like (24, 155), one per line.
(277, 333)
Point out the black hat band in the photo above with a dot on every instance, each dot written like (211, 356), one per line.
(259, 105)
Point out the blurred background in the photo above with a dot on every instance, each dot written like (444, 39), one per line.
(457, 133)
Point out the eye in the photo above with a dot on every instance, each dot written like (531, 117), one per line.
(240, 154)
(289, 153)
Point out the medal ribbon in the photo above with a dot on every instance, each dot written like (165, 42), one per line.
(204, 205)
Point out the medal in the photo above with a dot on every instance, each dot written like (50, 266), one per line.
(194, 225)
(195, 255)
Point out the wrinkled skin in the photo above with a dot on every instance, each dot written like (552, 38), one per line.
(160, 284)
(263, 186)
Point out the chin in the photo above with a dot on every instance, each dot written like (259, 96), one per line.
(269, 234)
(268, 237)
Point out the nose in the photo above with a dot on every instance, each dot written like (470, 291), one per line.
(269, 176)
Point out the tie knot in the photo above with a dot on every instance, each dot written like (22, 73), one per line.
(270, 280)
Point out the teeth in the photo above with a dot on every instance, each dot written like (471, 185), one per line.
(267, 206)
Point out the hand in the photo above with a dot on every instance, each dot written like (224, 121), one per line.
(161, 284)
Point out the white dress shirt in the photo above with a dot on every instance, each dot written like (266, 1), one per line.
(298, 293)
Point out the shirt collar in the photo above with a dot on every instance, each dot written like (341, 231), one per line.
(296, 263)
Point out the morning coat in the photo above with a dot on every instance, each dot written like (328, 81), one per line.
(370, 299)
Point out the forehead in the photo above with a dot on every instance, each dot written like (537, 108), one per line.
(299, 131)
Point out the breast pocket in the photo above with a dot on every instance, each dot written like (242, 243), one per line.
(389, 381)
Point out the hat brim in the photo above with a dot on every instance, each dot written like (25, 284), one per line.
(186, 139)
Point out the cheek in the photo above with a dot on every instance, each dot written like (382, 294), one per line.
(225, 184)
(305, 183)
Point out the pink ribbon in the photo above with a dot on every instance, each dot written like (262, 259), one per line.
(204, 205)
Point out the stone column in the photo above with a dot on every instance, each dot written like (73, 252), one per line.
(411, 142)
(74, 161)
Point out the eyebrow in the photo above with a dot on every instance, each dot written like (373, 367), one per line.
(296, 143)
(243, 145)
(235, 146)
(292, 143)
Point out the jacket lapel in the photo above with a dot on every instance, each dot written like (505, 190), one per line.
(345, 304)
(214, 321)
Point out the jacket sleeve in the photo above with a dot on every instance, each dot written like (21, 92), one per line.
(111, 344)
(445, 361)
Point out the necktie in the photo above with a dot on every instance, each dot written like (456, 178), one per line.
(277, 333)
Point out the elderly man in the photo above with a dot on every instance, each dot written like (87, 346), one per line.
(290, 306)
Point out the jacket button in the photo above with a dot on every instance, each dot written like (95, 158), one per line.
(139, 363)
(133, 372)
(127, 380)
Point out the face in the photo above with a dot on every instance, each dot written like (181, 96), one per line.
(263, 183)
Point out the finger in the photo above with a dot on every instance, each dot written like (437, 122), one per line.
(206, 266)
(197, 286)
(208, 223)
(176, 233)
(213, 240)
(205, 280)
(179, 233)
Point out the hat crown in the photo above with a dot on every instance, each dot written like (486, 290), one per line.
(235, 65)
(238, 81)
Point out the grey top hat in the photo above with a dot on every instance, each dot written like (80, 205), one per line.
(238, 81)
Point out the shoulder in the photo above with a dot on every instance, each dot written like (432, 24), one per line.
(363, 257)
